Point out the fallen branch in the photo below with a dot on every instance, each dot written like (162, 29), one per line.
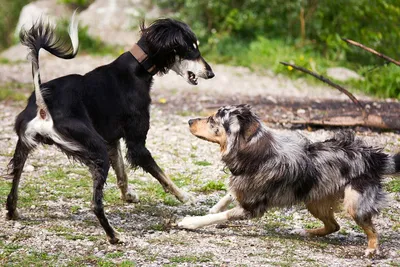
(391, 60)
(327, 81)
(372, 121)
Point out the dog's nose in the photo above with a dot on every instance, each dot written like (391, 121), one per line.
(190, 122)
(210, 74)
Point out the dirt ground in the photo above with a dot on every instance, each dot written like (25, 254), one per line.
(57, 227)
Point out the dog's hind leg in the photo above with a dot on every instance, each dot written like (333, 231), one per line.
(117, 162)
(237, 213)
(93, 153)
(16, 164)
(359, 208)
(324, 210)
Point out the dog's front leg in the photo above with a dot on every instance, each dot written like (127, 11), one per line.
(237, 213)
(167, 183)
(138, 155)
(222, 204)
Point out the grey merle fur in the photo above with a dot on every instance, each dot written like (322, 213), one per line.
(277, 170)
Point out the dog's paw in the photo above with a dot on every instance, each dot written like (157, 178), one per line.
(130, 197)
(214, 210)
(12, 215)
(300, 231)
(186, 198)
(117, 239)
(371, 252)
(189, 223)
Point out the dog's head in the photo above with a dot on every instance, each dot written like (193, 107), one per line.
(171, 44)
(229, 126)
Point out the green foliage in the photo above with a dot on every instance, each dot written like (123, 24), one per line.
(9, 14)
(262, 33)
(87, 44)
(77, 3)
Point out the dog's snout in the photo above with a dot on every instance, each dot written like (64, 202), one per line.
(210, 74)
(190, 122)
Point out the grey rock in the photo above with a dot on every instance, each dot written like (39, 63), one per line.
(116, 21)
(49, 9)
(343, 74)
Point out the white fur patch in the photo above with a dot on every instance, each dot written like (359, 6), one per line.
(201, 221)
(182, 67)
(45, 127)
(235, 125)
(73, 33)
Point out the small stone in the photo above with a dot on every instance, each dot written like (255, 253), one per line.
(300, 111)
(29, 168)
(343, 74)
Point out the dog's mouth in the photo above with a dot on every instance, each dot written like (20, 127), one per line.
(192, 78)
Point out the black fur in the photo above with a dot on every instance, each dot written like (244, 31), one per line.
(95, 110)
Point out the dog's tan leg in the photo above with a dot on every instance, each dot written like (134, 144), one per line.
(323, 210)
(236, 213)
(372, 237)
(117, 163)
(352, 202)
(222, 204)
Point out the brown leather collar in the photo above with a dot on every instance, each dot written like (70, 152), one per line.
(143, 59)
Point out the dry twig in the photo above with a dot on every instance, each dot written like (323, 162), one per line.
(391, 60)
(327, 81)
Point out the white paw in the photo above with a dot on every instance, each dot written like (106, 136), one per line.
(370, 252)
(187, 198)
(189, 223)
(214, 210)
(299, 231)
(130, 197)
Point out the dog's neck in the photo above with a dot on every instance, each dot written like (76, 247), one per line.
(143, 58)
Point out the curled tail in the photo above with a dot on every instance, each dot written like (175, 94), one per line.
(42, 35)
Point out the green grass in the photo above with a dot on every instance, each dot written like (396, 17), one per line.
(113, 255)
(27, 258)
(96, 261)
(393, 186)
(211, 186)
(202, 163)
(206, 257)
(13, 91)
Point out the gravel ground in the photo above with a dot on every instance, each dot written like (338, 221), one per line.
(57, 227)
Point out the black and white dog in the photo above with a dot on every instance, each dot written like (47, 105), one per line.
(275, 170)
(86, 116)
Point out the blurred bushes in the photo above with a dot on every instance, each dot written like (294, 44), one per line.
(9, 14)
(260, 33)
(77, 3)
(319, 22)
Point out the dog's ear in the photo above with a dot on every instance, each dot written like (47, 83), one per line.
(249, 123)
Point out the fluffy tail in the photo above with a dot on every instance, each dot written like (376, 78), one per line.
(42, 35)
(393, 165)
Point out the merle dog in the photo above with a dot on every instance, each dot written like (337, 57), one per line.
(281, 170)
(86, 115)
